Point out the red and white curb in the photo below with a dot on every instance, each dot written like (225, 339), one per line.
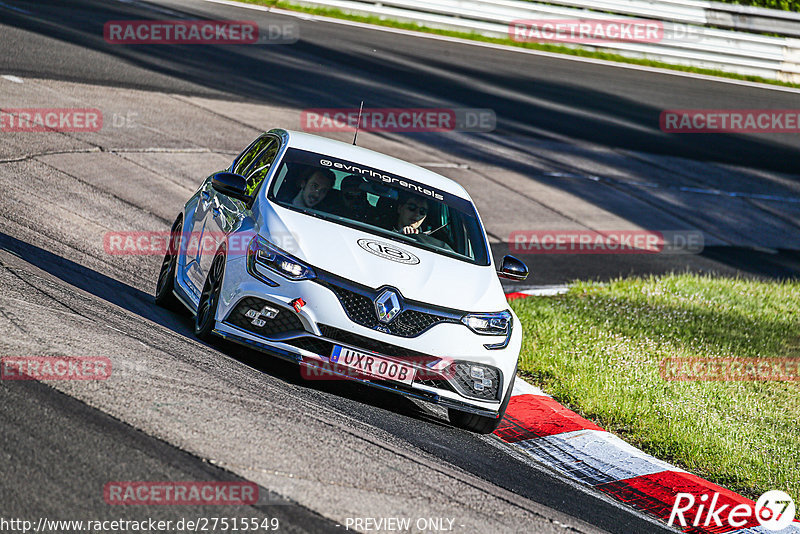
(538, 426)
(538, 291)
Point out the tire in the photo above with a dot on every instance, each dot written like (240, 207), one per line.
(209, 299)
(165, 286)
(480, 424)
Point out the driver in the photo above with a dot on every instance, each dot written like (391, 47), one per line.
(411, 213)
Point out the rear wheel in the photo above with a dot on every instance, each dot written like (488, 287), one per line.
(164, 296)
(481, 424)
(209, 299)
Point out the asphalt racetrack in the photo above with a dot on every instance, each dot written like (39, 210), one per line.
(577, 146)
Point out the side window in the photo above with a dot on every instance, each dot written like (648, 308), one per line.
(261, 166)
(247, 157)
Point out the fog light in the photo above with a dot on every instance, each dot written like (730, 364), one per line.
(476, 380)
(269, 312)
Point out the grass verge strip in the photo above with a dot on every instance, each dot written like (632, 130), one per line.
(598, 349)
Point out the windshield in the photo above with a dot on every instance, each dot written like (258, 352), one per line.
(380, 203)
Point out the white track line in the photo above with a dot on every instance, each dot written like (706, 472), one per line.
(523, 388)
(544, 291)
(593, 456)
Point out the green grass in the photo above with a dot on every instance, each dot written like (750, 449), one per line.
(597, 350)
(337, 13)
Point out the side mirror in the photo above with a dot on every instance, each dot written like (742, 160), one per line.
(230, 184)
(513, 269)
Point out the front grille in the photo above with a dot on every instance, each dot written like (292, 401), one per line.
(411, 323)
(312, 344)
(324, 348)
(360, 308)
(286, 321)
(349, 338)
(433, 383)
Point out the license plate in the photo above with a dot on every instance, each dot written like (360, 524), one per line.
(372, 365)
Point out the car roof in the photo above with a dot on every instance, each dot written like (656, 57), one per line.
(365, 156)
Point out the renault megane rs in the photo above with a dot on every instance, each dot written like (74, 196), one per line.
(353, 264)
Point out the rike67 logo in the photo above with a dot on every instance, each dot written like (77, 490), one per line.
(774, 511)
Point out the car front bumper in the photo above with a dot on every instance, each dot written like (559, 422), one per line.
(322, 323)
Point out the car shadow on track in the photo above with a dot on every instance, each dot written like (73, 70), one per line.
(141, 303)
(346, 390)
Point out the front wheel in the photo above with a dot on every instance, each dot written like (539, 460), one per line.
(209, 299)
(480, 424)
(164, 296)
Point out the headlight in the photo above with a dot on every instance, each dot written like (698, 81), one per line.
(262, 254)
(489, 324)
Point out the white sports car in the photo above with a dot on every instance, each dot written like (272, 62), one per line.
(355, 265)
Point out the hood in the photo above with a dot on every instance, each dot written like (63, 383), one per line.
(364, 258)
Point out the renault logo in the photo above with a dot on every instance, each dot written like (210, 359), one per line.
(387, 305)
